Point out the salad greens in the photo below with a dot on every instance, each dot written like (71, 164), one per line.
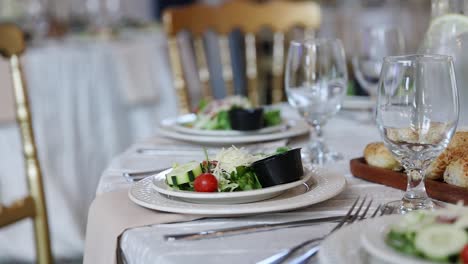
(231, 167)
(214, 115)
(282, 149)
(243, 179)
(272, 117)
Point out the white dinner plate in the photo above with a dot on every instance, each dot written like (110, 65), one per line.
(177, 124)
(159, 184)
(324, 183)
(293, 128)
(358, 103)
(363, 243)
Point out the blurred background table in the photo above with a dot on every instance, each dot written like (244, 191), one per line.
(91, 98)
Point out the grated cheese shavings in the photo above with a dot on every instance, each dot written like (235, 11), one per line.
(231, 158)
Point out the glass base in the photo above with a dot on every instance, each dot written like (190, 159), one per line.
(318, 154)
(321, 158)
(405, 206)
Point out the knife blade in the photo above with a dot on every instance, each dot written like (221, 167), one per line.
(247, 229)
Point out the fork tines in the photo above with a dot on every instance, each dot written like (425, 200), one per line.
(359, 210)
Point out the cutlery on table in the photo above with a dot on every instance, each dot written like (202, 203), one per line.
(164, 151)
(247, 229)
(140, 175)
(349, 218)
(258, 148)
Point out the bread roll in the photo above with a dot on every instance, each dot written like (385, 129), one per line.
(456, 172)
(460, 139)
(433, 135)
(376, 154)
(457, 147)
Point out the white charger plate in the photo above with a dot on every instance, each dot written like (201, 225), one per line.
(324, 183)
(159, 184)
(363, 242)
(177, 124)
(292, 129)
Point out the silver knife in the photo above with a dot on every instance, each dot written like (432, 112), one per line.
(247, 229)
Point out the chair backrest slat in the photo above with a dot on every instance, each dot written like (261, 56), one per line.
(203, 71)
(226, 63)
(251, 67)
(178, 76)
(278, 67)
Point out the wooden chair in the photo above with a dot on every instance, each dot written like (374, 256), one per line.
(33, 206)
(247, 16)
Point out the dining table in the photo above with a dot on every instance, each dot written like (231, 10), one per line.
(347, 133)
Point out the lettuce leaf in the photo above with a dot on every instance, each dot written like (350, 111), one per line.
(272, 117)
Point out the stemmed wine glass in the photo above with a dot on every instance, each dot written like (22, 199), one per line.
(417, 114)
(373, 44)
(316, 80)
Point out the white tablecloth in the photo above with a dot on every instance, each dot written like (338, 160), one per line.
(146, 245)
(83, 116)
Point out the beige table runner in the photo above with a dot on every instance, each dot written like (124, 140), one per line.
(110, 215)
(7, 112)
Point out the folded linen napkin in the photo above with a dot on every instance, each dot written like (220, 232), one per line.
(7, 109)
(110, 215)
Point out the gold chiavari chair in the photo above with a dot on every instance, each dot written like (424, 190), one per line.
(12, 45)
(247, 16)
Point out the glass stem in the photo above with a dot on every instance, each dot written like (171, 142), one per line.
(317, 132)
(317, 148)
(415, 189)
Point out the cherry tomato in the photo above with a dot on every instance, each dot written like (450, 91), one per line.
(464, 255)
(206, 182)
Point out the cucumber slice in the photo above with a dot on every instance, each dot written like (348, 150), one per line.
(462, 222)
(440, 241)
(184, 173)
(414, 221)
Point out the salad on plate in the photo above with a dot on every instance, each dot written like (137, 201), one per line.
(231, 170)
(219, 114)
(439, 236)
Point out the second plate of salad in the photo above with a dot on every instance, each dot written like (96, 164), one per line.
(232, 116)
(438, 236)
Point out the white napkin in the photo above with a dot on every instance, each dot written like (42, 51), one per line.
(135, 70)
(7, 110)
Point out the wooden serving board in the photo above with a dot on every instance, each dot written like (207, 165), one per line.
(436, 189)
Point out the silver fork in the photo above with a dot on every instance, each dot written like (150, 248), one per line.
(348, 219)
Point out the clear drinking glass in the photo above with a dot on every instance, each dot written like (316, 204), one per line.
(316, 80)
(373, 44)
(417, 114)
